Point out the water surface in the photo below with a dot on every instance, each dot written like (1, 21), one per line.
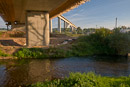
(14, 73)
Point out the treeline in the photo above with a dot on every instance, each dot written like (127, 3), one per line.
(93, 30)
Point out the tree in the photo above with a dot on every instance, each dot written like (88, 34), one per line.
(79, 30)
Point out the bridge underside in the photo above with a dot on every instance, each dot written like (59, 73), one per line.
(35, 14)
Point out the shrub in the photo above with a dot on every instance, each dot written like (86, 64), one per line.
(30, 53)
(103, 42)
(42, 53)
(120, 42)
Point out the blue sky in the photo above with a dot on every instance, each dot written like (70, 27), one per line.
(101, 13)
(97, 12)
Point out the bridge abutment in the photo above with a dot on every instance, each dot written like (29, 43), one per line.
(37, 28)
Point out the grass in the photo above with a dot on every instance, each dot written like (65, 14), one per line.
(86, 80)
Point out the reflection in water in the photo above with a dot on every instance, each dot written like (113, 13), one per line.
(2, 76)
(28, 73)
(39, 70)
(14, 73)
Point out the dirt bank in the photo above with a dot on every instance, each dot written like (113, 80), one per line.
(11, 41)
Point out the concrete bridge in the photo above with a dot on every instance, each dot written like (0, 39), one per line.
(67, 23)
(34, 15)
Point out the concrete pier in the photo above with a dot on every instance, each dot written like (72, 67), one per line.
(72, 28)
(59, 25)
(37, 28)
(64, 25)
(50, 26)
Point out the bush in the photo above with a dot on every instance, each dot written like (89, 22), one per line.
(103, 42)
(42, 53)
(30, 53)
(120, 42)
(86, 80)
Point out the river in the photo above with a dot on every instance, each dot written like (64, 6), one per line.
(15, 73)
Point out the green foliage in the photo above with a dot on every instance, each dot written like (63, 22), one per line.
(72, 34)
(79, 30)
(120, 42)
(30, 53)
(102, 42)
(1, 33)
(86, 80)
(2, 54)
(42, 53)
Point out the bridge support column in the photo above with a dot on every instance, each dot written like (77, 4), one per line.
(37, 28)
(72, 28)
(50, 26)
(59, 25)
(64, 25)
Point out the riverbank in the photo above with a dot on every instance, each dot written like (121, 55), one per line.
(102, 42)
(86, 80)
(13, 41)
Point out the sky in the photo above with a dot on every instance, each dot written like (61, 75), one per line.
(97, 12)
(102, 13)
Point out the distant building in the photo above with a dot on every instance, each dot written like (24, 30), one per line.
(125, 30)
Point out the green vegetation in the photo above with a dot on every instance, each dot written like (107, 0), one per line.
(2, 54)
(2, 32)
(102, 42)
(86, 80)
(42, 53)
(73, 35)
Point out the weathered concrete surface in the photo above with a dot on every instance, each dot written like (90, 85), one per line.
(67, 21)
(50, 26)
(59, 25)
(37, 28)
